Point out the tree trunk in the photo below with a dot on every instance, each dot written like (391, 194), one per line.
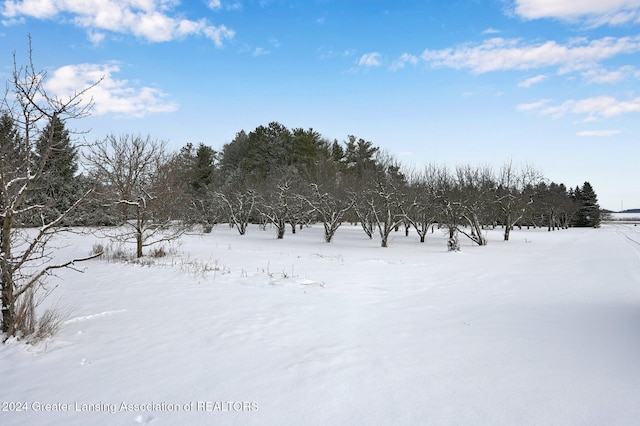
(139, 232)
(507, 228)
(385, 230)
(328, 232)
(476, 231)
(139, 243)
(8, 299)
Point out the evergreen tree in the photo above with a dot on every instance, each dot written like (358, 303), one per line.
(268, 150)
(588, 214)
(194, 171)
(62, 157)
(201, 168)
(360, 155)
(205, 168)
(337, 152)
(308, 147)
(11, 146)
(59, 186)
(233, 153)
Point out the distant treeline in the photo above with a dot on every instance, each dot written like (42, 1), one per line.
(287, 177)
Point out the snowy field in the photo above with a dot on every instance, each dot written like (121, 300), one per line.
(625, 216)
(541, 330)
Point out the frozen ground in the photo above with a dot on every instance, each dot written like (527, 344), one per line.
(542, 330)
(625, 216)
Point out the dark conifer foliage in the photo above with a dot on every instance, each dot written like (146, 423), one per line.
(60, 186)
(61, 156)
(11, 144)
(360, 155)
(196, 174)
(270, 149)
(588, 209)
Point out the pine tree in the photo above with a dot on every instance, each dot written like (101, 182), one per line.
(337, 152)
(588, 214)
(59, 186)
(360, 155)
(204, 168)
(11, 146)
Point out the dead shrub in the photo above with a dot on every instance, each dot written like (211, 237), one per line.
(29, 326)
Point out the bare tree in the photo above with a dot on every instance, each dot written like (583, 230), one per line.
(421, 208)
(475, 187)
(450, 211)
(331, 204)
(515, 194)
(238, 198)
(27, 255)
(239, 206)
(135, 180)
(325, 197)
(385, 197)
(362, 208)
(274, 204)
(299, 212)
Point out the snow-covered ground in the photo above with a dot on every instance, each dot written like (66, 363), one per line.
(625, 216)
(541, 330)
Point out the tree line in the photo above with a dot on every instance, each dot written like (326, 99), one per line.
(287, 178)
(139, 191)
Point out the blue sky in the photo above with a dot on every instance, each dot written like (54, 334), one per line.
(550, 83)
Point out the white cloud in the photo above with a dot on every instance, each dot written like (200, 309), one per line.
(593, 12)
(259, 51)
(531, 81)
(533, 106)
(490, 31)
(370, 60)
(498, 54)
(96, 37)
(151, 20)
(217, 5)
(599, 133)
(36, 8)
(214, 4)
(593, 108)
(601, 75)
(110, 96)
(405, 59)
(218, 34)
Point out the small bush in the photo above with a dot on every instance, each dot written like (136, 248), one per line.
(48, 325)
(112, 253)
(36, 329)
(98, 248)
(158, 252)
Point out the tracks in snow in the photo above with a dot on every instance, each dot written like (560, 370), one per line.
(89, 317)
(631, 235)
